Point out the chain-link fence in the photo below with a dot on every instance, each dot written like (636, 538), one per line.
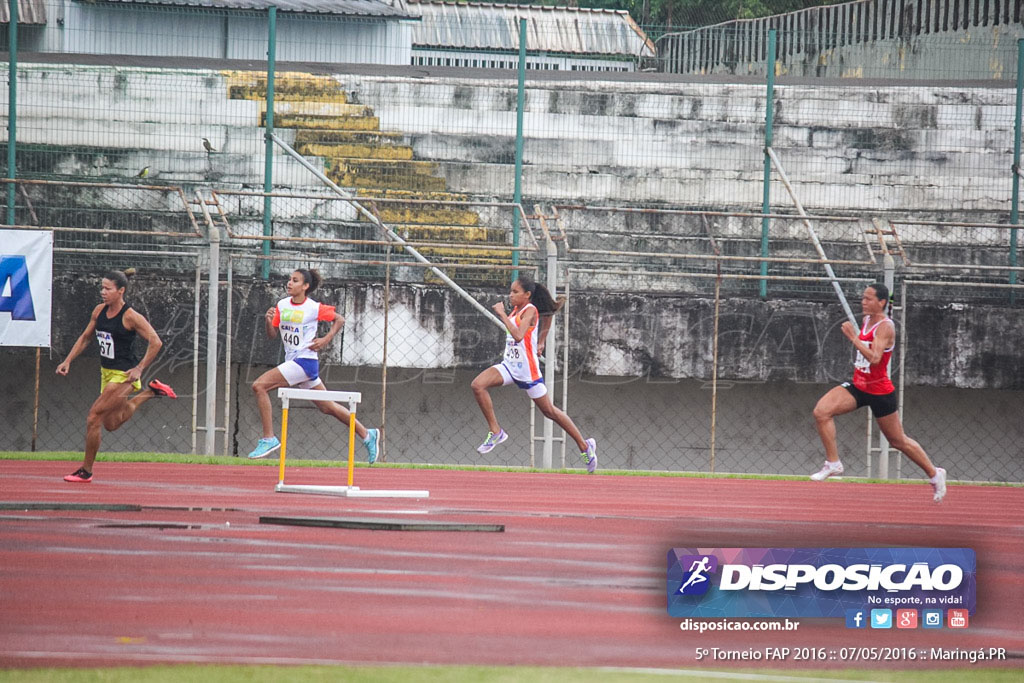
(399, 154)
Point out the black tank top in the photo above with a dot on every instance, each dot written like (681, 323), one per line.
(115, 341)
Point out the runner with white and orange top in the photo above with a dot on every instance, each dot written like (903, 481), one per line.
(871, 387)
(527, 326)
(296, 318)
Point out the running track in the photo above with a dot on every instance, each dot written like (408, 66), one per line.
(576, 579)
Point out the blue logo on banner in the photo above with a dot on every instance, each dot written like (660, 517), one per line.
(856, 618)
(818, 582)
(14, 270)
(697, 580)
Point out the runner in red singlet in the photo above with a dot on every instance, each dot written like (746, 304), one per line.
(871, 387)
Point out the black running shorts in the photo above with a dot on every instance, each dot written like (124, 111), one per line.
(880, 404)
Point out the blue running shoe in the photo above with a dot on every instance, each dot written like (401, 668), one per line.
(371, 442)
(265, 447)
(590, 456)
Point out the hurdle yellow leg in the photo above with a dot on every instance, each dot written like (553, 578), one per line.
(284, 443)
(351, 446)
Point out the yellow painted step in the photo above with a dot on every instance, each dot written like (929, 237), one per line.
(389, 193)
(450, 233)
(313, 108)
(288, 85)
(468, 254)
(324, 122)
(343, 137)
(343, 151)
(382, 167)
(430, 216)
(411, 182)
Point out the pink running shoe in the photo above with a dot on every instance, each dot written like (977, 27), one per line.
(161, 389)
(80, 476)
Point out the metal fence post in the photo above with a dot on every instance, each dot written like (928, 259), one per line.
(550, 353)
(212, 315)
(12, 106)
(268, 154)
(1015, 200)
(769, 115)
(520, 106)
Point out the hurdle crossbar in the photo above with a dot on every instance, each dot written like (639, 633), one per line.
(352, 398)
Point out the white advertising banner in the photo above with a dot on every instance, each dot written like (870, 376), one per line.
(26, 283)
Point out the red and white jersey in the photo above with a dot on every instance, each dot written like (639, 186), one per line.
(873, 379)
(521, 356)
(298, 324)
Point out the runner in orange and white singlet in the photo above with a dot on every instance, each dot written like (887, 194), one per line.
(526, 328)
(871, 387)
(296, 318)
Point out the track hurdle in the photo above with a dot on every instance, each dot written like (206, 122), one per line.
(351, 491)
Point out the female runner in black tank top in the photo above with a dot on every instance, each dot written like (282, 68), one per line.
(115, 325)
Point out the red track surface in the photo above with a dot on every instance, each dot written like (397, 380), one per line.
(576, 579)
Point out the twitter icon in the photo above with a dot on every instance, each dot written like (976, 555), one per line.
(881, 618)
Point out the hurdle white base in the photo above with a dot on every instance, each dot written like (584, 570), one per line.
(348, 491)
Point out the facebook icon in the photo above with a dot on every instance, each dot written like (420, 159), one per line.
(856, 618)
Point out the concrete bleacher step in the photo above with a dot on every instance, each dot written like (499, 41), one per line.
(379, 173)
(353, 137)
(288, 86)
(451, 233)
(355, 151)
(392, 193)
(320, 122)
(427, 215)
(476, 276)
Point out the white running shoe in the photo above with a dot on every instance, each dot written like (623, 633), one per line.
(491, 441)
(938, 483)
(829, 469)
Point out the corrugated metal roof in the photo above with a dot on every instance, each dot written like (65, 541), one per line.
(360, 8)
(30, 12)
(568, 30)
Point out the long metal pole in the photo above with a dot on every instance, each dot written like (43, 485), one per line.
(766, 182)
(12, 106)
(195, 353)
(814, 236)
(1015, 200)
(268, 152)
(520, 106)
(35, 405)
